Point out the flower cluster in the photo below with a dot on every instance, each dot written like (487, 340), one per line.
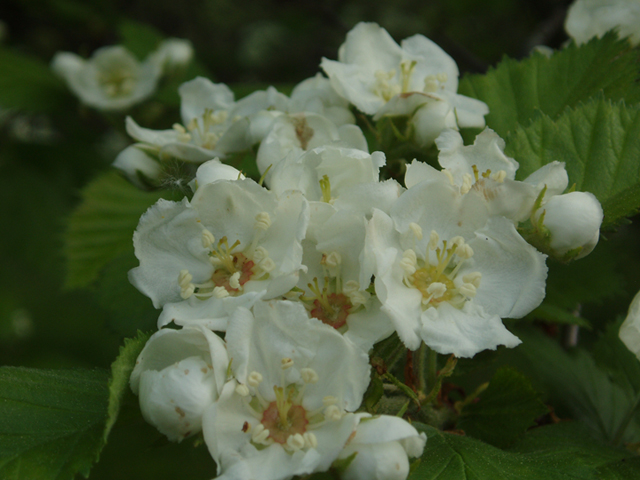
(306, 270)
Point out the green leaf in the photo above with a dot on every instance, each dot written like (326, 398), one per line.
(102, 226)
(554, 452)
(553, 314)
(613, 355)
(121, 370)
(599, 141)
(504, 411)
(575, 385)
(28, 83)
(51, 422)
(515, 90)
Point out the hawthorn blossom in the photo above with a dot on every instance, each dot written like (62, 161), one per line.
(112, 79)
(213, 123)
(178, 374)
(232, 244)
(289, 411)
(417, 79)
(316, 95)
(446, 272)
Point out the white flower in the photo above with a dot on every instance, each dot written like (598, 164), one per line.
(178, 374)
(289, 413)
(630, 328)
(316, 95)
(112, 79)
(382, 78)
(573, 223)
(382, 446)
(446, 273)
(292, 135)
(213, 123)
(134, 162)
(330, 289)
(590, 18)
(325, 173)
(232, 244)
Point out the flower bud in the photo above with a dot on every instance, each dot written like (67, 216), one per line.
(573, 221)
(630, 328)
(133, 161)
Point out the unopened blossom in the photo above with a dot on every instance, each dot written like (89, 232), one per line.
(446, 273)
(630, 328)
(232, 244)
(416, 79)
(593, 18)
(382, 446)
(173, 53)
(571, 222)
(293, 134)
(112, 79)
(213, 123)
(179, 374)
(289, 411)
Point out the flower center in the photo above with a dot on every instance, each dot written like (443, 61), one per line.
(117, 82)
(436, 279)
(205, 130)
(285, 421)
(479, 181)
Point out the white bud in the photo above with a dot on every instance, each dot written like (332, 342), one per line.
(573, 220)
(630, 328)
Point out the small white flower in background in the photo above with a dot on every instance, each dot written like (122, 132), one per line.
(179, 374)
(382, 446)
(112, 79)
(234, 243)
(213, 123)
(591, 18)
(446, 272)
(173, 54)
(290, 411)
(382, 78)
(630, 328)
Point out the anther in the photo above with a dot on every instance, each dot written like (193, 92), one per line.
(184, 278)
(187, 291)
(472, 278)
(295, 442)
(234, 281)
(220, 292)
(309, 375)
(254, 379)
(437, 289)
(416, 230)
(263, 221)
(467, 182)
(434, 240)
(207, 238)
(468, 290)
(499, 176)
(242, 390)
(442, 77)
(333, 260)
(260, 434)
(465, 251)
(329, 400)
(332, 413)
(310, 440)
(449, 175)
(458, 241)
(267, 265)
(286, 363)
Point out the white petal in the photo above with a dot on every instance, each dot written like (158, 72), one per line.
(630, 328)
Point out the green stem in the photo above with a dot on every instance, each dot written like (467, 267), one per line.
(422, 367)
(626, 421)
(432, 368)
